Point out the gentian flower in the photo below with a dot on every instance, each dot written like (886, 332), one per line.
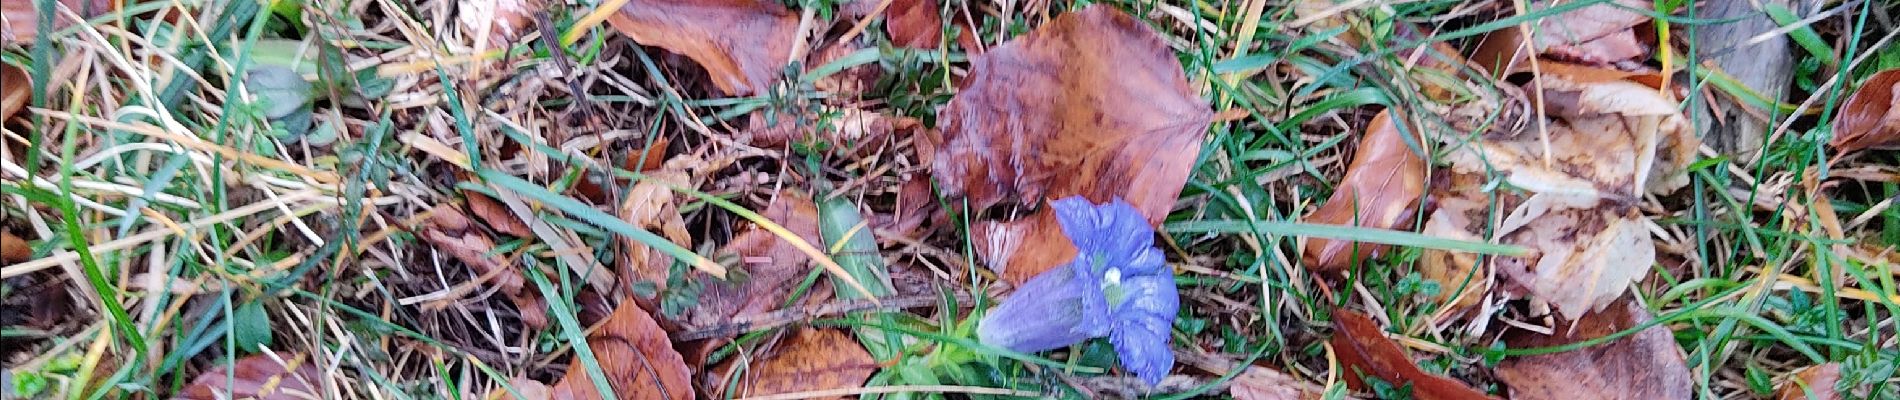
(1118, 285)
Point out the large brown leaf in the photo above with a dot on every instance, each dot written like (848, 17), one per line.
(636, 357)
(1611, 140)
(257, 377)
(1646, 365)
(743, 44)
(1380, 190)
(1867, 119)
(1092, 103)
(810, 359)
(1363, 349)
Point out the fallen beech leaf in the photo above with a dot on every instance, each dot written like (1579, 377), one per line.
(1381, 190)
(450, 231)
(1812, 383)
(1261, 383)
(1363, 349)
(742, 43)
(256, 377)
(1611, 141)
(15, 87)
(1867, 119)
(636, 357)
(13, 249)
(772, 266)
(810, 359)
(652, 206)
(1646, 365)
(1092, 103)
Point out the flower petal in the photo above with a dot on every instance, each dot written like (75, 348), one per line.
(1050, 311)
(1152, 296)
(1142, 344)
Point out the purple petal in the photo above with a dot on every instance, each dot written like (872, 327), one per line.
(1048, 312)
(1151, 296)
(1142, 344)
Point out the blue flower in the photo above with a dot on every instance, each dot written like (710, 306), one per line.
(1118, 285)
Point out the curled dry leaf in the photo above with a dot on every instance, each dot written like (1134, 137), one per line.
(1092, 103)
(636, 357)
(1812, 383)
(13, 249)
(259, 377)
(1646, 365)
(1363, 349)
(1867, 120)
(1611, 141)
(452, 232)
(742, 43)
(810, 359)
(1598, 34)
(1381, 190)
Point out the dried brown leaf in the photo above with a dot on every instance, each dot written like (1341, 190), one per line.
(1381, 190)
(1456, 218)
(1261, 383)
(1599, 34)
(914, 23)
(506, 20)
(636, 357)
(1646, 365)
(810, 359)
(496, 215)
(1612, 138)
(1363, 349)
(653, 206)
(1092, 103)
(451, 232)
(743, 44)
(259, 377)
(13, 249)
(1867, 119)
(530, 390)
(773, 267)
(1812, 383)
(15, 87)
(20, 20)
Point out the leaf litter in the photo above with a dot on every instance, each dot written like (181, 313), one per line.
(1093, 103)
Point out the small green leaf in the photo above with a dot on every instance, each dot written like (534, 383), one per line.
(250, 327)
